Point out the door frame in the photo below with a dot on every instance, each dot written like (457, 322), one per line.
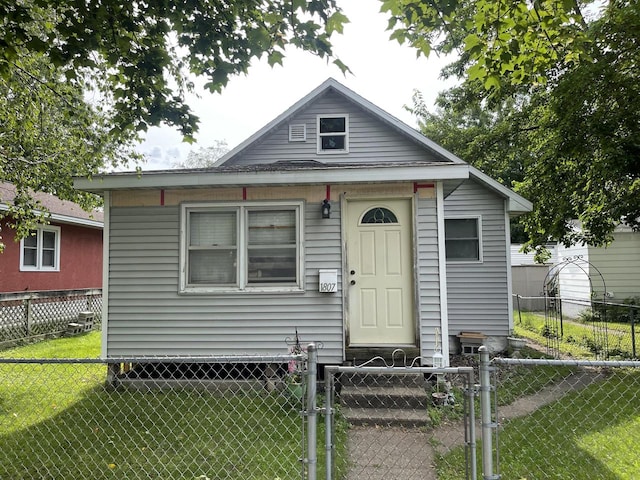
(344, 200)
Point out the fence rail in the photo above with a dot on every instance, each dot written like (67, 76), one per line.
(32, 314)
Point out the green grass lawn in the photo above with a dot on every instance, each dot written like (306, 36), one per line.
(86, 345)
(62, 422)
(588, 434)
(577, 337)
(593, 433)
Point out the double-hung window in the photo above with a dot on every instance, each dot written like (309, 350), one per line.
(40, 250)
(333, 134)
(229, 247)
(463, 240)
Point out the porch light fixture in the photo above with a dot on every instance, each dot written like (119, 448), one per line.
(326, 209)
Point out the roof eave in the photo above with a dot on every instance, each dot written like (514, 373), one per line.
(166, 180)
(67, 219)
(516, 204)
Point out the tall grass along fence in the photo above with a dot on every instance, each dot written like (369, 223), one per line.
(569, 419)
(242, 417)
(603, 329)
(27, 315)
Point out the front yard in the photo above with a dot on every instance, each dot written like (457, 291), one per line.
(60, 421)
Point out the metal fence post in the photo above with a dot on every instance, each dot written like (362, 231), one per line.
(486, 419)
(633, 332)
(328, 423)
(312, 413)
(471, 394)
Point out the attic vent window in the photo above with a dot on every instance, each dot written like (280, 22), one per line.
(333, 134)
(298, 133)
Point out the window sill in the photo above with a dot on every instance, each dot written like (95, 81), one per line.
(332, 152)
(238, 291)
(35, 269)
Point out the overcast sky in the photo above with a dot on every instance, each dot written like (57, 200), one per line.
(384, 73)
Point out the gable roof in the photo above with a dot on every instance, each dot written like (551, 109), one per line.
(450, 169)
(333, 85)
(61, 211)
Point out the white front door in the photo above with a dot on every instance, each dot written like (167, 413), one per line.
(379, 273)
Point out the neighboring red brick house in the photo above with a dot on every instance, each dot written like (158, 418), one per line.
(66, 254)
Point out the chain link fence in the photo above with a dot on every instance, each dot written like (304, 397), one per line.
(34, 314)
(140, 418)
(566, 419)
(401, 422)
(602, 330)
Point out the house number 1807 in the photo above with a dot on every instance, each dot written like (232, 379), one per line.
(328, 287)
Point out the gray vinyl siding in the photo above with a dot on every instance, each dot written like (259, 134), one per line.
(619, 264)
(428, 274)
(148, 317)
(477, 292)
(369, 139)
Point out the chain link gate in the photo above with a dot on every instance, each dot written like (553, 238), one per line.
(397, 421)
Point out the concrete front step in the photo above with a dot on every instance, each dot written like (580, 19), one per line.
(385, 417)
(392, 397)
(363, 378)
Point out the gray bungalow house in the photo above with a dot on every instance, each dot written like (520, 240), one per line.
(336, 220)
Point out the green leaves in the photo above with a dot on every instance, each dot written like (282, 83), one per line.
(548, 104)
(128, 49)
(136, 58)
(49, 133)
(500, 43)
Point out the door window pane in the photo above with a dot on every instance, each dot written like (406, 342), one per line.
(379, 215)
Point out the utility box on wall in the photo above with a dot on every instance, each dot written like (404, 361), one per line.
(328, 281)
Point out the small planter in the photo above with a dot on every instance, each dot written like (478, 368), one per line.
(438, 398)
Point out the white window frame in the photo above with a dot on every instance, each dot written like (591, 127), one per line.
(39, 267)
(242, 282)
(478, 219)
(319, 135)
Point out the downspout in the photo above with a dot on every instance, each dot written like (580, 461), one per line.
(442, 273)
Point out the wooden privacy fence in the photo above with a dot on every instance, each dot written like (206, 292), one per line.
(32, 314)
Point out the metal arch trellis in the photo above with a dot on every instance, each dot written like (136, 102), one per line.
(553, 330)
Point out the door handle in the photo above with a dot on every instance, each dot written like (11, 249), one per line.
(353, 282)
(352, 272)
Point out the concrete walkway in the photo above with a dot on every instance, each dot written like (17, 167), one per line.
(386, 453)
